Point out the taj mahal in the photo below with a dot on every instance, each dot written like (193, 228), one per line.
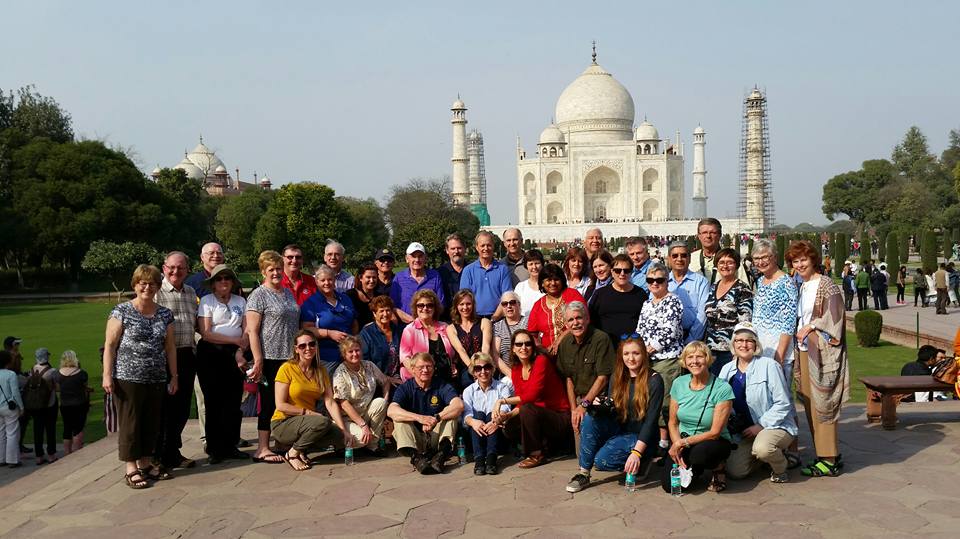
(593, 166)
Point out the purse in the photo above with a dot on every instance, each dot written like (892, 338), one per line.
(946, 370)
(11, 404)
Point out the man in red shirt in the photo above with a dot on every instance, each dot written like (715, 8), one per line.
(300, 284)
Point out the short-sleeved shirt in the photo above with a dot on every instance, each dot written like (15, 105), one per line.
(429, 401)
(358, 388)
(775, 314)
(225, 318)
(404, 287)
(141, 356)
(279, 321)
(504, 331)
(337, 317)
(518, 269)
(183, 304)
(584, 362)
(691, 403)
(487, 284)
(450, 278)
(725, 312)
(304, 392)
(344, 281)
(616, 313)
(302, 288)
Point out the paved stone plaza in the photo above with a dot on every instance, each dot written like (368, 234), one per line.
(901, 483)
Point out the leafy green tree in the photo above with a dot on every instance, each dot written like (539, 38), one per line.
(33, 116)
(857, 194)
(950, 157)
(882, 245)
(947, 243)
(369, 230)
(311, 216)
(928, 251)
(236, 225)
(904, 249)
(864, 247)
(116, 261)
(423, 211)
(893, 253)
(193, 208)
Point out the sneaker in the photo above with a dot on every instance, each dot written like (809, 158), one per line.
(779, 477)
(438, 462)
(421, 463)
(492, 465)
(479, 467)
(578, 483)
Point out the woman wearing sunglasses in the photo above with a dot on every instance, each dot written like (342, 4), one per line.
(479, 400)
(426, 334)
(540, 404)
(660, 327)
(624, 436)
(301, 382)
(503, 330)
(616, 308)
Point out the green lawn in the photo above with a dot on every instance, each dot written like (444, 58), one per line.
(883, 360)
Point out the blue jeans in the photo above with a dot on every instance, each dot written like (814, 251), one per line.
(484, 446)
(604, 445)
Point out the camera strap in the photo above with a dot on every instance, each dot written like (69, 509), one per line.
(705, 403)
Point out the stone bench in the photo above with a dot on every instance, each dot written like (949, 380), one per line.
(891, 390)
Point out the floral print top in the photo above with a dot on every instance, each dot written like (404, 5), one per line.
(725, 312)
(659, 326)
(775, 312)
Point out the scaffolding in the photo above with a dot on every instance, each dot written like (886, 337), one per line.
(755, 206)
(477, 177)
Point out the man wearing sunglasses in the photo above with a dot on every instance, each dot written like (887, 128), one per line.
(585, 358)
(301, 285)
(692, 288)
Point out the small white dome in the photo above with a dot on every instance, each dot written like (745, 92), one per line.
(221, 169)
(155, 172)
(204, 158)
(458, 105)
(193, 172)
(552, 135)
(264, 180)
(698, 131)
(646, 131)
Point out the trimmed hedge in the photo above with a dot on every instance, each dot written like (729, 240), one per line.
(867, 325)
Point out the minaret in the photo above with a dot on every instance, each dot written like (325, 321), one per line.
(473, 166)
(699, 174)
(461, 187)
(756, 207)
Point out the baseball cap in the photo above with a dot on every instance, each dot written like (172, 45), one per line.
(11, 341)
(384, 253)
(745, 327)
(42, 355)
(414, 247)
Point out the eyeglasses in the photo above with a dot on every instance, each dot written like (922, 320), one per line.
(305, 345)
(175, 268)
(679, 255)
(423, 368)
(626, 336)
(294, 257)
(523, 344)
(726, 263)
(222, 278)
(620, 271)
(424, 306)
(743, 341)
(509, 303)
(656, 280)
(481, 368)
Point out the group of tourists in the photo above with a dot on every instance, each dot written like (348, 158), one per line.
(43, 393)
(622, 360)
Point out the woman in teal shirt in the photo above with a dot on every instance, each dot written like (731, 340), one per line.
(700, 404)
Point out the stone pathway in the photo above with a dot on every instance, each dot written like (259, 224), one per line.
(902, 483)
(900, 324)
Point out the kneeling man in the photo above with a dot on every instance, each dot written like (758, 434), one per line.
(425, 413)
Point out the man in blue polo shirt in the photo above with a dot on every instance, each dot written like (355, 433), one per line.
(486, 277)
(425, 412)
(417, 276)
(692, 288)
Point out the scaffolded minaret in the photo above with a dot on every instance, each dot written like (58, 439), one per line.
(756, 205)
(477, 177)
(461, 187)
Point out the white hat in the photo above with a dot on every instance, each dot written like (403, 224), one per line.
(745, 326)
(414, 247)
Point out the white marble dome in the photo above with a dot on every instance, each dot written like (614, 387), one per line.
(551, 135)
(594, 96)
(193, 172)
(204, 159)
(699, 131)
(646, 131)
(458, 104)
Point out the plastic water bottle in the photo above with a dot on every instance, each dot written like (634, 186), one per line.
(630, 482)
(675, 489)
(461, 451)
(348, 455)
(382, 443)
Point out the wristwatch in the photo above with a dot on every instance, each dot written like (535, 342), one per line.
(585, 403)
(437, 417)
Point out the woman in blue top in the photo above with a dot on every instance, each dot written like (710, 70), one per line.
(763, 421)
(700, 404)
(330, 316)
(380, 339)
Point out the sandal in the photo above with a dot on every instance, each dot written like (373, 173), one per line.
(718, 483)
(136, 484)
(156, 473)
(793, 460)
(269, 458)
(297, 462)
(821, 468)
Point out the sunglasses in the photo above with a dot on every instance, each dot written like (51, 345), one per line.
(656, 280)
(679, 255)
(305, 345)
(424, 306)
(629, 336)
(620, 271)
(481, 368)
(223, 278)
(523, 344)
(294, 257)
(510, 303)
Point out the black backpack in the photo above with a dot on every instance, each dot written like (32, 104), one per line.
(36, 394)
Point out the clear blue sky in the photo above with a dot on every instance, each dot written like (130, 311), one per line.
(358, 98)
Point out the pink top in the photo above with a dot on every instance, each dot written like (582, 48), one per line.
(415, 339)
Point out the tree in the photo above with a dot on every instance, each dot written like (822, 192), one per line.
(857, 194)
(116, 261)
(904, 254)
(423, 211)
(236, 225)
(307, 214)
(947, 243)
(893, 252)
(34, 116)
(865, 247)
(193, 208)
(882, 244)
(950, 157)
(369, 230)
(928, 251)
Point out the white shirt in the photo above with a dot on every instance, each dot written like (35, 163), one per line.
(808, 296)
(225, 319)
(528, 296)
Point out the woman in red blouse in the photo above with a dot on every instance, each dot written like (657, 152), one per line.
(546, 318)
(540, 402)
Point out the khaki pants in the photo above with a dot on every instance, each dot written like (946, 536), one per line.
(670, 370)
(410, 434)
(768, 447)
(307, 433)
(824, 434)
(374, 416)
(201, 409)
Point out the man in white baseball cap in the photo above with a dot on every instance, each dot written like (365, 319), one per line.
(416, 277)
